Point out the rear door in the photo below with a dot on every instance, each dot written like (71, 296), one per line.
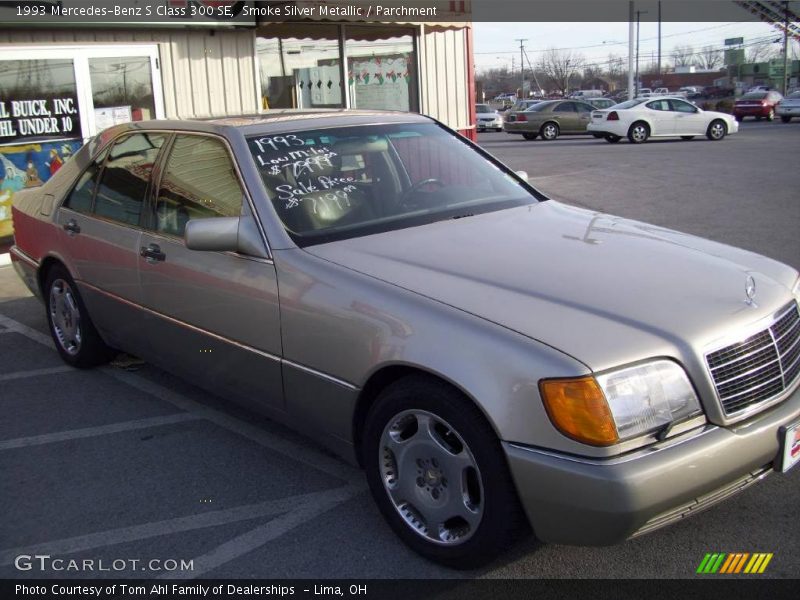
(101, 221)
(584, 116)
(211, 316)
(566, 115)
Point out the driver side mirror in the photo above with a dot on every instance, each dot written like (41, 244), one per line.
(225, 234)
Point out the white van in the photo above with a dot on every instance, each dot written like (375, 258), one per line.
(584, 94)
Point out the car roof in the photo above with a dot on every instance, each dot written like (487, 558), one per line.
(277, 121)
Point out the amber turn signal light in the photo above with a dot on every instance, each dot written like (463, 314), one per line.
(578, 409)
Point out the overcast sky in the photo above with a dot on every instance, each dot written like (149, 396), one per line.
(495, 43)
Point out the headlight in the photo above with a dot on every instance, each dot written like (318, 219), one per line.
(622, 404)
(796, 290)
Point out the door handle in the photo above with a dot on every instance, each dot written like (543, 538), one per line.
(71, 227)
(152, 253)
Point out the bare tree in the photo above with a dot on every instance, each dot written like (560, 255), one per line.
(559, 66)
(683, 56)
(761, 52)
(709, 58)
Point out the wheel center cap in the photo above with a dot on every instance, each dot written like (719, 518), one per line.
(433, 476)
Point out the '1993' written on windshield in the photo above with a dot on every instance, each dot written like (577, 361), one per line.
(306, 168)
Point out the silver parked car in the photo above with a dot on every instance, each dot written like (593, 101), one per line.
(789, 107)
(490, 357)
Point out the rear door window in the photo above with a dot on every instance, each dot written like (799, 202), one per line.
(126, 177)
(82, 195)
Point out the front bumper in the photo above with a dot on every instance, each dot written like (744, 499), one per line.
(587, 502)
(494, 124)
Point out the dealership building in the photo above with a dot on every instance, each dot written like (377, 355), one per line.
(62, 83)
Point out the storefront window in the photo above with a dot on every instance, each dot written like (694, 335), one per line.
(122, 90)
(39, 125)
(381, 68)
(301, 72)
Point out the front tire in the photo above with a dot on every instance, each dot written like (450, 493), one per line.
(639, 132)
(438, 474)
(549, 131)
(716, 130)
(73, 332)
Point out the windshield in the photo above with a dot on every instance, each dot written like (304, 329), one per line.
(631, 103)
(483, 108)
(755, 96)
(794, 95)
(339, 183)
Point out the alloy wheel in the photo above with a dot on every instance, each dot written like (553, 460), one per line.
(431, 477)
(65, 316)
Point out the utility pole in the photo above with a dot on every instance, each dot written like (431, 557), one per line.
(522, 65)
(630, 50)
(785, 82)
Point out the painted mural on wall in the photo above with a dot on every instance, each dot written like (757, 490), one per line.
(28, 165)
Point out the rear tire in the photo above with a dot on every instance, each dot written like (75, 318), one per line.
(639, 132)
(73, 332)
(438, 474)
(530, 136)
(549, 131)
(785, 119)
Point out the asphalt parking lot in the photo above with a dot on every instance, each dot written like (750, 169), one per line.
(136, 465)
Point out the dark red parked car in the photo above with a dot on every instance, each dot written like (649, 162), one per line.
(760, 105)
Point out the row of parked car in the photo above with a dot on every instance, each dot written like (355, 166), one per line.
(637, 119)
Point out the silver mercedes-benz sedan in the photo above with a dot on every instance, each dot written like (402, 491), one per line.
(493, 359)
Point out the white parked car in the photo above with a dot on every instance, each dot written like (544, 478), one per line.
(488, 118)
(642, 118)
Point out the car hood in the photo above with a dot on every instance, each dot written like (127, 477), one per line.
(602, 289)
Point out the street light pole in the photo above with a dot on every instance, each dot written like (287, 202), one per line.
(785, 81)
(630, 50)
(638, 20)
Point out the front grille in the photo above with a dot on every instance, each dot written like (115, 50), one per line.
(759, 367)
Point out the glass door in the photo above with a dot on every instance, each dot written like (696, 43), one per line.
(54, 98)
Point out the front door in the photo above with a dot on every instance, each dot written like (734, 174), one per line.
(211, 316)
(688, 119)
